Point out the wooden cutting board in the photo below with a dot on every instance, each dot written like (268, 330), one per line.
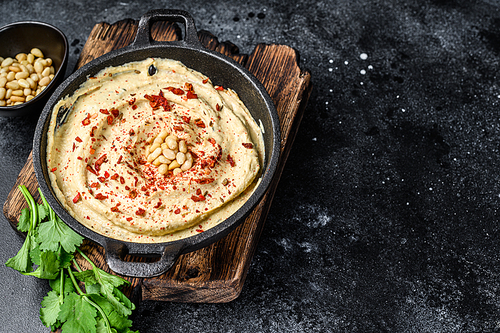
(215, 273)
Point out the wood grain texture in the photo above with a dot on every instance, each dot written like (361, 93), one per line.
(217, 272)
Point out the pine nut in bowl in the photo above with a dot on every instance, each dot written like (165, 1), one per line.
(33, 61)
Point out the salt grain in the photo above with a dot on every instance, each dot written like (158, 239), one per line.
(363, 56)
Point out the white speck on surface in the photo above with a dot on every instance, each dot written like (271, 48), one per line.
(315, 139)
(330, 69)
(362, 72)
(361, 83)
(363, 56)
(326, 102)
(403, 110)
(430, 188)
(346, 62)
(330, 61)
(370, 67)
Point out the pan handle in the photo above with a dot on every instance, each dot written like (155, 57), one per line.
(143, 35)
(115, 251)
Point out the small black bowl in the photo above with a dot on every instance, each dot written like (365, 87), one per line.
(22, 37)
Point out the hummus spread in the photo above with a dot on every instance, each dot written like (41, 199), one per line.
(151, 151)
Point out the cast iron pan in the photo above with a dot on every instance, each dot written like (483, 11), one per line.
(222, 71)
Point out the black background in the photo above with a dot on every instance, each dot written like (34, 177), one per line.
(386, 215)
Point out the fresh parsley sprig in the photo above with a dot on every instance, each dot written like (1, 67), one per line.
(50, 246)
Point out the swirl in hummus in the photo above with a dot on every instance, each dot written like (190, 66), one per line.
(109, 147)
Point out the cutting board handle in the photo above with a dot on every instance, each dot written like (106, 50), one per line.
(143, 36)
(116, 251)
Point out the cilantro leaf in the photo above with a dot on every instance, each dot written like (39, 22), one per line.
(21, 262)
(24, 222)
(55, 232)
(49, 266)
(51, 306)
(116, 320)
(42, 211)
(78, 315)
(108, 284)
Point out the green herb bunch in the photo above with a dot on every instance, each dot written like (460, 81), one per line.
(50, 246)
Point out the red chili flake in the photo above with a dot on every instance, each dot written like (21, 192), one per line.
(177, 211)
(157, 101)
(78, 139)
(140, 211)
(191, 95)
(119, 159)
(198, 198)
(122, 180)
(134, 107)
(110, 120)
(95, 185)
(99, 162)
(212, 141)
(135, 181)
(106, 174)
(90, 169)
(77, 197)
(220, 88)
(204, 181)
(132, 101)
(92, 151)
(53, 169)
(74, 146)
(176, 91)
(100, 196)
(158, 204)
(186, 119)
(198, 191)
(131, 132)
(80, 158)
(115, 209)
(132, 194)
(188, 86)
(199, 230)
(178, 128)
(92, 131)
(104, 111)
(247, 145)
(205, 80)
(101, 179)
(129, 219)
(200, 123)
(115, 176)
(230, 160)
(115, 112)
(86, 121)
(217, 107)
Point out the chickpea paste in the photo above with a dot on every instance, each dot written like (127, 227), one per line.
(111, 165)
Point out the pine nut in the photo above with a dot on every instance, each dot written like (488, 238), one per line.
(12, 85)
(180, 158)
(29, 98)
(46, 71)
(15, 68)
(37, 52)
(3, 91)
(8, 93)
(177, 171)
(31, 82)
(174, 165)
(3, 81)
(183, 146)
(187, 165)
(38, 67)
(34, 77)
(163, 169)
(26, 91)
(45, 81)
(7, 62)
(2, 102)
(171, 142)
(17, 98)
(21, 56)
(156, 153)
(23, 83)
(11, 76)
(18, 92)
(153, 147)
(169, 154)
(30, 58)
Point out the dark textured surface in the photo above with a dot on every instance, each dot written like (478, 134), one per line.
(385, 219)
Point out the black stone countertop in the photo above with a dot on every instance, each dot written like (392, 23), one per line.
(386, 216)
